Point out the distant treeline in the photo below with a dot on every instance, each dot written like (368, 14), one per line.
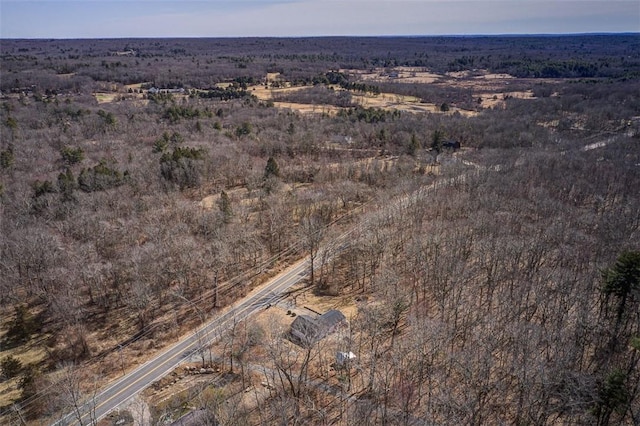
(70, 65)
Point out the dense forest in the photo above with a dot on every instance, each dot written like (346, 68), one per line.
(498, 283)
(201, 63)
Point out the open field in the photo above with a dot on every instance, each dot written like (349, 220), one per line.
(492, 89)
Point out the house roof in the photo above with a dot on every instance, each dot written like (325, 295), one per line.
(302, 322)
(331, 318)
(307, 330)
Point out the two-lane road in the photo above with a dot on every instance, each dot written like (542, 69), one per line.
(153, 370)
(137, 380)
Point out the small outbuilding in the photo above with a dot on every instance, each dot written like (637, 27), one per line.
(343, 358)
(306, 330)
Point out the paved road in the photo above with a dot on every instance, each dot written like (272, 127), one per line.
(136, 381)
(155, 369)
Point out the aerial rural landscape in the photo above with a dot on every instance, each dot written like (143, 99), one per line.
(320, 231)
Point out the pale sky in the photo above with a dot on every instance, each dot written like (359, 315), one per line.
(281, 18)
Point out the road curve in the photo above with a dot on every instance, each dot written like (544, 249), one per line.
(137, 380)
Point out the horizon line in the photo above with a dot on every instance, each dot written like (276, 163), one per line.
(577, 34)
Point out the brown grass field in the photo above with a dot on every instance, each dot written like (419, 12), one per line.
(492, 89)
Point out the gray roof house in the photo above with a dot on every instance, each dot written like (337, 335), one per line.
(306, 330)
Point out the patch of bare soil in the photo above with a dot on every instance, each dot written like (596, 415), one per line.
(104, 98)
(210, 201)
(265, 93)
(486, 85)
(308, 108)
(239, 195)
(110, 97)
(497, 100)
(391, 101)
(386, 101)
(136, 86)
(495, 77)
(417, 75)
(272, 76)
(492, 89)
(458, 74)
